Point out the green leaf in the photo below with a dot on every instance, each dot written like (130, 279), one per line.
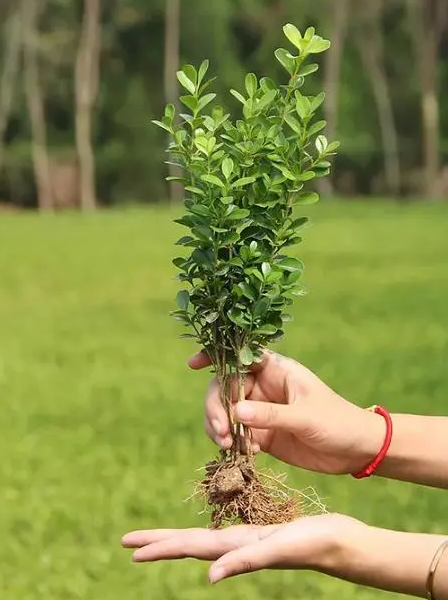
(202, 71)
(238, 213)
(318, 45)
(190, 102)
(293, 123)
(291, 264)
(247, 290)
(300, 222)
(238, 96)
(253, 247)
(246, 356)
(316, 127)
(267, 84)
(250, 83)
(309, 34)
(261, 308)
(266, 100)
(302, 106)
(202, 259)
(237, 317)
(213, 179)
(162, 125)
(307, 176)
(309, 69)
(317, 101)
(186, 239)
(183, 299)
(191, 73)
(284, 58)
(333, 146)
(242, 182)
(321, 144)
(186, 82)
(200, 209)
(293, 35)
(266, 269)
(267, 329)
(170, 111)
(306, 198)
(175, 178)
(205, 100)
(227, 167)
(226, 199)
(194, 190)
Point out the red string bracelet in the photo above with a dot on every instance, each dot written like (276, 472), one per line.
(373, 466)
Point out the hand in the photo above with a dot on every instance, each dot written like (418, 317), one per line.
(295, 417)
(309, 543)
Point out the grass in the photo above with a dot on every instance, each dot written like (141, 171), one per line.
(101, 424)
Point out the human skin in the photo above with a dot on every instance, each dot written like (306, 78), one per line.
(297, 418)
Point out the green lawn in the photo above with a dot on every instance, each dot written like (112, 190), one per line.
(101, 421)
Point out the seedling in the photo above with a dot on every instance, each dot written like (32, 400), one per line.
(243, 179)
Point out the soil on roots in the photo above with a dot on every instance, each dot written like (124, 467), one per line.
(236, 493)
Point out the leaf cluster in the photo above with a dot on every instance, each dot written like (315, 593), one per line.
(243, 179)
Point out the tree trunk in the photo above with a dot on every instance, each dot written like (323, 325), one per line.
(34, 98)
(369, 38)
(86, 90)
(332, 75)
(172, 42)
(9, 75)
(426, 27)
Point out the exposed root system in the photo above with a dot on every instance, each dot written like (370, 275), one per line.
(235, 492)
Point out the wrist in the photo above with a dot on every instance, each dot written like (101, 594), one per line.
(371, 431)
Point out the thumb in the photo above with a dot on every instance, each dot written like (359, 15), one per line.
(248, 559)
(267, 415)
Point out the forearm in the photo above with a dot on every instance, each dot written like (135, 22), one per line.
(418, 452)
(391, 561)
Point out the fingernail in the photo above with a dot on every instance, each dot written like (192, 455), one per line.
(216, 575)
(224, 442)
(217, 427)
(244, 411)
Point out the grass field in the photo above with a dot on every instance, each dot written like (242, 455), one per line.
(101, 421)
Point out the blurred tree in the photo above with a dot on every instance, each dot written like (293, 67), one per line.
(11, 64)
(369, 38)
(171, 66)
(30, 11)
(428, 19)
(339, 21)
(86, 89)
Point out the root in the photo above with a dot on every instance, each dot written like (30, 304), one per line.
(234, 492)
(232, 489)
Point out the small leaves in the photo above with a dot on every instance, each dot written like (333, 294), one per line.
(293, 35)
(251, 84)
(213, 179)
(227, 167)
(183, 299)
(286, 60)
(185, 82)
(242, 182)
(321, 144)
(246, 356)
(242, 179)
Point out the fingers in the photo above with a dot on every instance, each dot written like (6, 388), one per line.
(202, 544)
(266, 415)
(248, 559)
(217, 423)
(199, 360)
